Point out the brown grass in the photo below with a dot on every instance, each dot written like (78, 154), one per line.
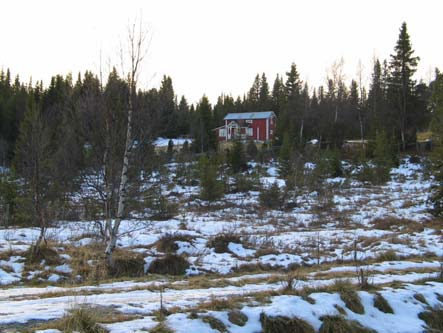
(284, 325)
(171, 264)
(382, 304)
(338, 324)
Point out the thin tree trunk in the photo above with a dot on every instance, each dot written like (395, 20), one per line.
(122, 193)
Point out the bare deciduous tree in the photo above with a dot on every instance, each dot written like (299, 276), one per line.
(137, 49)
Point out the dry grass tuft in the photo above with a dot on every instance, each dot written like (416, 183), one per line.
(421, 298)
(382, 304)
(45, 252)
(215, 323)
(338, 324)
(166, 243)
(433, 318)
(220, 242)
(284, 325)
(161, 328)
(171, 264)
(349, 296)
(237, 318)
(388, 255)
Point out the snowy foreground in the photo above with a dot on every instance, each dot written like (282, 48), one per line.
(384, 231)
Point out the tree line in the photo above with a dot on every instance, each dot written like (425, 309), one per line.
(393, 103)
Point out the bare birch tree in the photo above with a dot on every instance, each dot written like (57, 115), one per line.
(136, 52)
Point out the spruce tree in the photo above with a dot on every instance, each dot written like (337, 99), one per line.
(284, 157)
(237, 157)
(264, 98)
(211, 188)
(437, 137)
(402, 66)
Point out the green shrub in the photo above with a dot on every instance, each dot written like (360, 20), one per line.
(210, 187)
(272, 197)
(171, 264)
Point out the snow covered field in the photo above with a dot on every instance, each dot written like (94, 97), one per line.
(383, 231)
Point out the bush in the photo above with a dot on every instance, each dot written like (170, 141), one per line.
(171, 264)
(328, 164)
(271, 197)
(220, 242)
(243, 183)
(251, 150)
(284, 325)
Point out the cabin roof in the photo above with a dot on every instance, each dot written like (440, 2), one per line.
(250, 115)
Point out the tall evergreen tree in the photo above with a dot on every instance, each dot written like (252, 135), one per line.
(436, 105)
(403, 65)
(264, 97)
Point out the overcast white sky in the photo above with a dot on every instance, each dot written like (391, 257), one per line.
(210, 46)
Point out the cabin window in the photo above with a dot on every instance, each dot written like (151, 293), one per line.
(222, 132)
(249, 131)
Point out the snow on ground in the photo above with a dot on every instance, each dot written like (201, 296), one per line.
(164, 142)
(327, 227)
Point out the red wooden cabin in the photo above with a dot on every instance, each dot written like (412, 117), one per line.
(257, 126)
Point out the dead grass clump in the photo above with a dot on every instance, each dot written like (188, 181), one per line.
(220, 242)
(290, 281)
(44, 252)
(217, 304)
(433, 318)
(215, 323)
(349, 296)
(253, 268)
(388, 255)
(237, 317)
(161, 328)
(352, 301)
(395, 223)
(284, 325)
(382, 304)
(421, 298)
(167, 243)
(171, 264)
(126, 263)
(82, 319)
(338, 324)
